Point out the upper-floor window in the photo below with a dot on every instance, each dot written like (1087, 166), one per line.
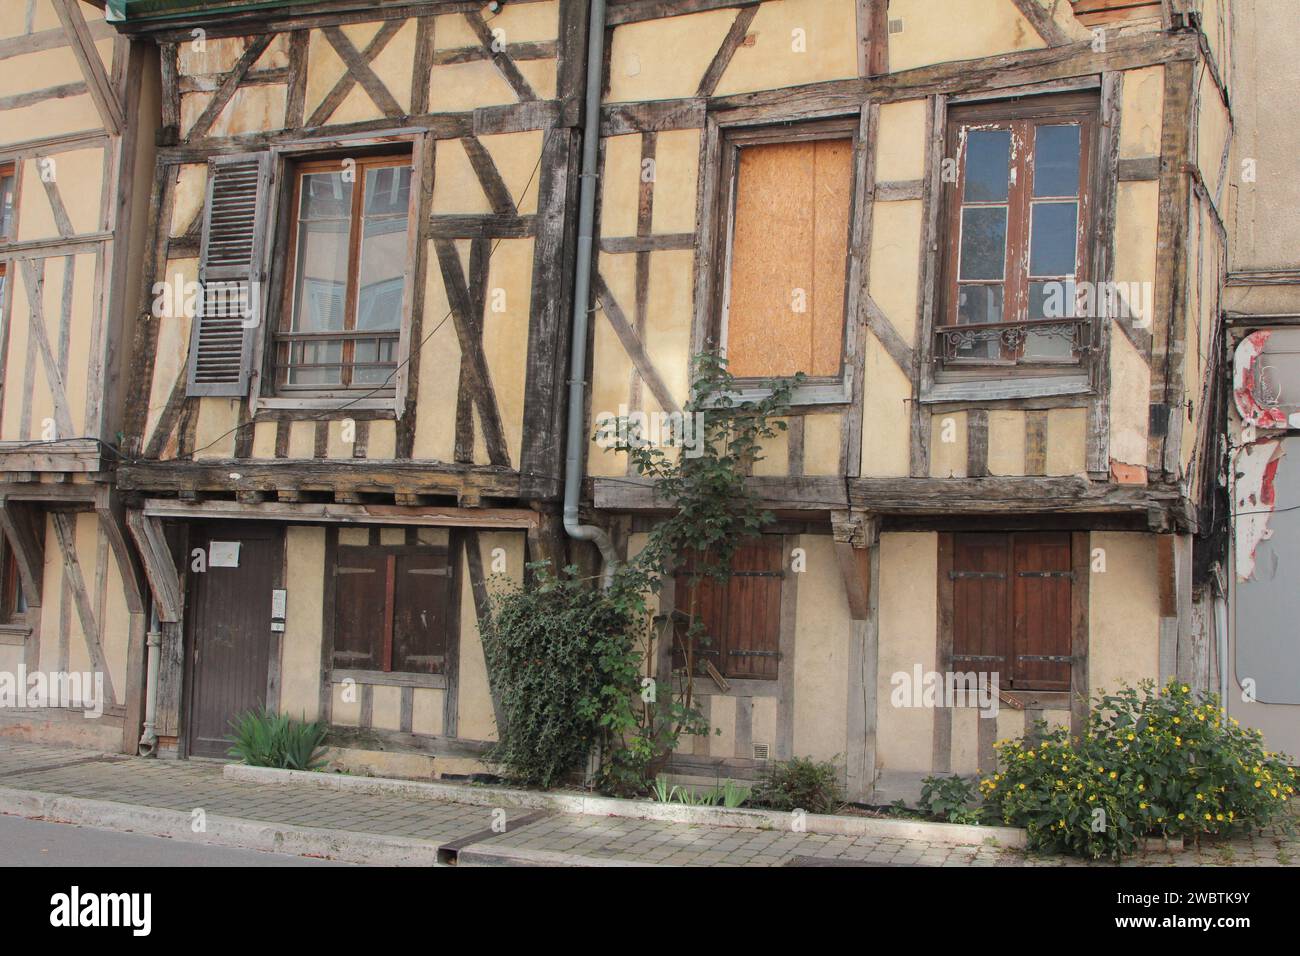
(7, 180)
(1017, 218)
(788, 193)
(341, 312)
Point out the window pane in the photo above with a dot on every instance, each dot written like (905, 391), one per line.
(324, 231)
(979, 304)
(988, 163)
(327, 354)
(383, 248)
(1053, 238)
(388, 191)
(1056, 161)
(1050, 344)
(983, 242)
(1051, 300)
(325, 196)
(6, 204)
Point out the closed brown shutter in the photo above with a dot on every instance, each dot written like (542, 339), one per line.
(359, 603)
(980, 603)
(742, 615)
(1011, 607)
(231, 274)
(1041, 632)
(422, 597)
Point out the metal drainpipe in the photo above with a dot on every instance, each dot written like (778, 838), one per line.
(148, 746)
(581, 296)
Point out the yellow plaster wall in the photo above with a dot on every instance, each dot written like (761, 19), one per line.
(886, 422)
(821, 653)
(793, 42)
(900, 144)
(908, 621)
(948, 445)
(301, 644)
(664, 58)
(1067, 435)
(821, 444)
(1130, 383)
(1123, 611)
(1006, 442)
(895, 254)
(1141, 113)
(938, 31)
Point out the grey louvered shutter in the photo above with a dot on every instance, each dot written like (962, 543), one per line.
(231, 273)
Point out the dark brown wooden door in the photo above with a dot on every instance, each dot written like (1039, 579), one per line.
(230, 637)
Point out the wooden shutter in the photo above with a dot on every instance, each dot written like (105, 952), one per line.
(980, 604)
(421, 600)
(360, 602)
(234, 237)
(1042, 593)
(742, 615)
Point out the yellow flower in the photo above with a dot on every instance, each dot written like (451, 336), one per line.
(1219, 817)
(1208, 817)
(1178, 741)
(1113, 775)
(1022, 786)
(1177, 720)
(1186, 688)
(1258, 784)
(1142, 805)
(1132, 737)
(1200, 796)
(1182, 816)
(1142, 788)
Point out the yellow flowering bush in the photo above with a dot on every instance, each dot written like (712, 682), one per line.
(1166, 763)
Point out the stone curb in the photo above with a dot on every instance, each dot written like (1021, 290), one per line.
(343, 845)
(832, 825)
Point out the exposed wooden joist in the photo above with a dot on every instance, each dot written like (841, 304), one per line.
(160, 572)
(92, 67)
(487, 519)
(27, 546)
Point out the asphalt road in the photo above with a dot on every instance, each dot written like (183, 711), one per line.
(26, 842)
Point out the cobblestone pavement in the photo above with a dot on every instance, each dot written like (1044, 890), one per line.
(187, 785)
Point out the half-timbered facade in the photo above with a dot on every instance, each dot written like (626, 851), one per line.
(77, 108)
(360, 420)
(988, 232)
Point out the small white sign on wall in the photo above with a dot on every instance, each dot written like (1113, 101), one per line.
(278, 603)
(223, 554)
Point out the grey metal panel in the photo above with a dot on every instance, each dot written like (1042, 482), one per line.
(1267, 605)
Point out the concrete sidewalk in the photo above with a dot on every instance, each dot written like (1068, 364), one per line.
(192, 800)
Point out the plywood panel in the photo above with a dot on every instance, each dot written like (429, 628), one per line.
(786, 302)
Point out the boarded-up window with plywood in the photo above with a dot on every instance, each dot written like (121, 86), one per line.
(790, 198)
(741, 615)
(391, 608)
(1012, 607)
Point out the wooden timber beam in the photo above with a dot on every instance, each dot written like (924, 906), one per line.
(159, 569)
(28, 547)
(92, 67)
(487, 519)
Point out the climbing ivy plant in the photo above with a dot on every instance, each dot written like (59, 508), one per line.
(577, 664)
